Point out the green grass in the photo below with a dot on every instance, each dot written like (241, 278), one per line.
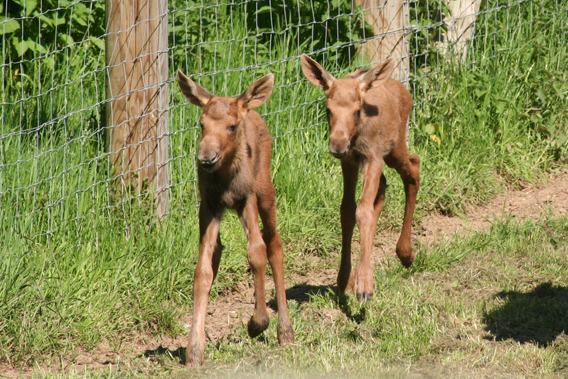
(80, 266)
(498, 307)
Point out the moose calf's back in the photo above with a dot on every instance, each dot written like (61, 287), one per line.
(385, 111)
(395, 104)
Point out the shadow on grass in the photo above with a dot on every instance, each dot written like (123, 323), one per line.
(343, 302)
(538, 316)
(302, 293)
(178, 354)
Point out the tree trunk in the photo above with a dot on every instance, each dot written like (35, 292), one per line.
(461, 22)
(137, 93)
(389, 19)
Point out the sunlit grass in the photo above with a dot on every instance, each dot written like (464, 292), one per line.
(78, 265)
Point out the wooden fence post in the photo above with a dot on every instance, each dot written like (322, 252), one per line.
(137, 95)
(460, 22)
(389, 19)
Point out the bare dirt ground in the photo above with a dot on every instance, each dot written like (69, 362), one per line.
(529, 202)
(227, 314)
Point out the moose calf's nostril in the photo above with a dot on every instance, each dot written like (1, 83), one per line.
(338, 152)
(208, 159)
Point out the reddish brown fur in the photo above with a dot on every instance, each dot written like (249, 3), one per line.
(234, 172)
(367, 114)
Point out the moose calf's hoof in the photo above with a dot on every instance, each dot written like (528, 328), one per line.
(364, 296)
(407, 261)
(405, 254)
(257, 326)
(285, 335)
(194, 356)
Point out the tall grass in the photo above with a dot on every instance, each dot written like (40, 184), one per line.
(79, 266)
(499, 119)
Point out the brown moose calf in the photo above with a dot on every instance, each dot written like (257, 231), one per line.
(367, 114)
(233, 168)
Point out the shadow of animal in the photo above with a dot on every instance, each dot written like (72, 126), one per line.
(303, 293)
(179, 353)
(538, 316)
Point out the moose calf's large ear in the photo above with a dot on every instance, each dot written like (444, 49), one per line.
(378, 75)
(193, 92)
(315, 73)
(258, 92)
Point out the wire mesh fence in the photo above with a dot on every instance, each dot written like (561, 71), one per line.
(56, 171)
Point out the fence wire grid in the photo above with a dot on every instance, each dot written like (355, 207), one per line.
(55, 169)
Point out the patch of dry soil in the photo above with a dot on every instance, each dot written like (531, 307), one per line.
(531, 202)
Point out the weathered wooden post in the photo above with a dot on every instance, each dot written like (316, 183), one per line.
(137, 95)
(389, 19)
(460, 21)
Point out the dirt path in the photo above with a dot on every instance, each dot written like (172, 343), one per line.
(529, 203)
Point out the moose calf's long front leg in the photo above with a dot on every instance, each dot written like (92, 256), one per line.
(273, 241)
(257, 258)
(207, 264)
(367, 218)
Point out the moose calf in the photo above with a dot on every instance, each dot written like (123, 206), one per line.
(233, 169)
(367, 114)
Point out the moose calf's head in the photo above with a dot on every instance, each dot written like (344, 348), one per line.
(345, 99)
(222, 121)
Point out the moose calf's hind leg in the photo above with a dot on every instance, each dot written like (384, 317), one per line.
(411, 178)
(275, 252)
(257, 258)
(276, 258)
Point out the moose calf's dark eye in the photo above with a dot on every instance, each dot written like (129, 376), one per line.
(201, 126)
(232, 128)
(358, 113)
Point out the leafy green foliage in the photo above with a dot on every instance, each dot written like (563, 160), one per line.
(48, 42)
(503, 118)
(426, 17)
(309, 26)
(33, 28)
(191, 24)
